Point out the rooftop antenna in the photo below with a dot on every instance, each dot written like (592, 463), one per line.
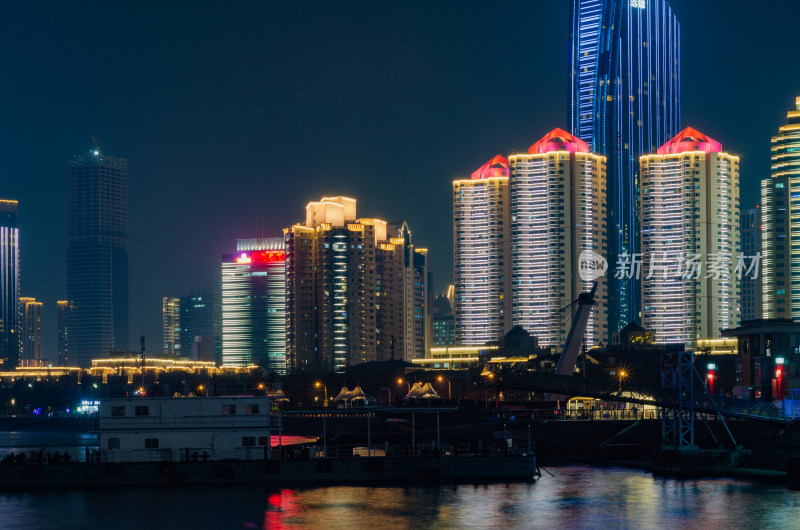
(96, 146)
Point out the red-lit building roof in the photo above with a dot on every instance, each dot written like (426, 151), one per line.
(559, 140)
(496, 167)
(690, 139)
(256, 256)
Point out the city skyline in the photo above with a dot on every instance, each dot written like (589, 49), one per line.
(178, 168)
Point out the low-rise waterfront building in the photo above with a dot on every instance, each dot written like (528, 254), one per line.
(185, 429)
(454, 357)
(768, 363)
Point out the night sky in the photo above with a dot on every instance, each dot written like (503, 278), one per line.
(235, 112)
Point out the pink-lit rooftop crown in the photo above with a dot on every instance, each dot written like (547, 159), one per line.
(690, 139)
(559, 140)
(496, 167)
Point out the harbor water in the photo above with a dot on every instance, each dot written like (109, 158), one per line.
(565, 497)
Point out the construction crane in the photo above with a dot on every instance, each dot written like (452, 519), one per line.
(569, 353)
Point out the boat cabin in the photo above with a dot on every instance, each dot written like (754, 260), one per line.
(185, 428)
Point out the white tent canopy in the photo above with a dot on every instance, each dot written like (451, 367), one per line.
(350, 395)
(422, 391)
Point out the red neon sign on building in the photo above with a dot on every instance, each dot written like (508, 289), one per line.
(265, 256)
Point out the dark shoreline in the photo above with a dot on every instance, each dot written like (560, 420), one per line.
(28, 424)
(558, 443)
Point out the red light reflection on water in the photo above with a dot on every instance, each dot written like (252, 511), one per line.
(281, 509)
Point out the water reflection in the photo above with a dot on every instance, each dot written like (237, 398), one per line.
(575, 497)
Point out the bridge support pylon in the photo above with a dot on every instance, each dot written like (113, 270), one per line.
(677, 422)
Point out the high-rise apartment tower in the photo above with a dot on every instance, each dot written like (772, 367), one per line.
(352, 289)
(558, 212)
(690, 239)
(482, 254)
(780, 211)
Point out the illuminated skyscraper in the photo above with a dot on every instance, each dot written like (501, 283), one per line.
(750, 233)
(423, 318)
(201, 312)
(254, 304)
(30, 331)
(190, 318)
(9, 283)
(351, 293)
(97, 256)
(444, 329)
(482, 254)
(780, 205)
(690, 218)
(64, 307)
(776, 299)
(624, 68)
(558, 211)
(171, 325)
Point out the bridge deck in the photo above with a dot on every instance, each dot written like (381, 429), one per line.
(569, 385)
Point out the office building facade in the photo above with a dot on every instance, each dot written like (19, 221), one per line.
(201, 316)
(191, 317)
(422, 300)
(9, 283)
(750, 233)
(482, 254)
(171, 325)
(558, 211)
(97, 256)
(444, 326)
(624, 77)
(63, 307)
(254, 304)
(690, 240)
(30, 331)
(780, 204)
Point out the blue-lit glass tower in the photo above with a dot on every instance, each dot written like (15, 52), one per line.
(624, 76)
(97, 256)
(9, 284)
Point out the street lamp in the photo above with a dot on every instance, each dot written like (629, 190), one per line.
(320, 385)
(400, 381)
(622, 375)
(449, 392)
(490, 377)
